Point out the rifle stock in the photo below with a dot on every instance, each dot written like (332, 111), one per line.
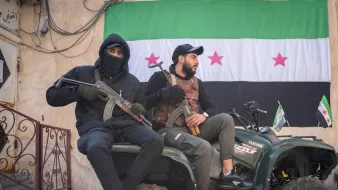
(113, 99)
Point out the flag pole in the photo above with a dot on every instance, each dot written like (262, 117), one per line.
(284, 114)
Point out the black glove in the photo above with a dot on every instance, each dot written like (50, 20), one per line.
(90, 93)
(172, 94)
(137, 109)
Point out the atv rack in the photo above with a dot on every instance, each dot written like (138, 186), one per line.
(315, 138)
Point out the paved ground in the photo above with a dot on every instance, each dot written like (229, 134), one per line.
(331, 181)
(9, 185)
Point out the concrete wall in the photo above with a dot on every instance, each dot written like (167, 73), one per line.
(39, 70)
(330, 135)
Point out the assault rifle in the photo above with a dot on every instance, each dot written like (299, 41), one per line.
(113, 99)
(183, 108)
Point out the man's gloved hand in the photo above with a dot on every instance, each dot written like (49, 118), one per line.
(173, 94)
(90, 93)
(137, 109)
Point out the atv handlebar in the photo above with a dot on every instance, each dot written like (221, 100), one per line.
(240, 119)
(252, 107)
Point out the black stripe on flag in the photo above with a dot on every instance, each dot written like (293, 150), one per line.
(300, 100)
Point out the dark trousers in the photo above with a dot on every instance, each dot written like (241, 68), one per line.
(198, 149)
(97, 145)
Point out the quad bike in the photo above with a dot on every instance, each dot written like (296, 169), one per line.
(265, 161)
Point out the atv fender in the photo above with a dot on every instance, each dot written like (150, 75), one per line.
(168, 152)
(266, 165)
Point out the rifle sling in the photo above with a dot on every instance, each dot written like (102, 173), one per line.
(97, 75)
(173, 79)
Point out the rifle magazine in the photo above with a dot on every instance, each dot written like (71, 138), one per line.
(108, 109)
(173, 116)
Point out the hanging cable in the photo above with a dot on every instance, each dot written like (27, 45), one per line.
(54, 27)
(84, 28)
(76, 43)
(84, 4)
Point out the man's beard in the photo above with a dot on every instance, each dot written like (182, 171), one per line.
(188, 70)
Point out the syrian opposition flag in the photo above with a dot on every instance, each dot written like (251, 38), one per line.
(279, 120)
(254, 50)
(324, 114)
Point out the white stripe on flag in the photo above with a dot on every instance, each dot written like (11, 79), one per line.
(257, 60)
(323, 110)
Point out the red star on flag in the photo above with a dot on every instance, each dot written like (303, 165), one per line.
(215, 58)
(324, 112)
(279, 60)
(152, 59)
(328, 120)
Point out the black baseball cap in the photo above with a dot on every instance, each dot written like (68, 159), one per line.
(110, 46)
(185, 49)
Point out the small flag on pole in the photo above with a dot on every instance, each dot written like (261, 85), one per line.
(279, 120)
(324, 114)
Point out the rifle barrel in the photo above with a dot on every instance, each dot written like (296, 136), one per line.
(76, 82)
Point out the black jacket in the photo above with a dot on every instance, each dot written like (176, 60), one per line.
(158, 81)
(89, 114)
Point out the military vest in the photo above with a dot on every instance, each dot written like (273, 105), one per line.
(162, 112)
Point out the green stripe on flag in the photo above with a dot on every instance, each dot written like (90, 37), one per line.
(218, 19)
(279, 109)
(327, 106)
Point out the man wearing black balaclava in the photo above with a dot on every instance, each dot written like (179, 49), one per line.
(97, 136)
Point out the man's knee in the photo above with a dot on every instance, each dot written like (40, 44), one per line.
(226, 119)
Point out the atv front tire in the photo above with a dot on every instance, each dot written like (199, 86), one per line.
(305, 183)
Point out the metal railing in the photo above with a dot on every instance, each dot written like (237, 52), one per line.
(33, 155)
(60, 173)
